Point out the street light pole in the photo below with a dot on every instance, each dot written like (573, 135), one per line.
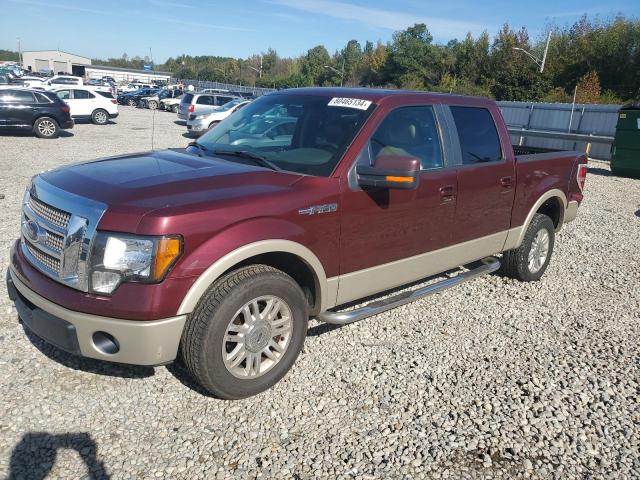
(339, 72)
(19, 52)
(540, 62)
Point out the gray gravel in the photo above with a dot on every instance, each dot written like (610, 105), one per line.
(494, 379)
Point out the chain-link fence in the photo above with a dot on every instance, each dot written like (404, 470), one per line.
(202, 84)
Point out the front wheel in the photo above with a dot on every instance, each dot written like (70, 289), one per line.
(212, 125)
(46, 127)
(174, 108)
(132, 102)
(100, 117)
(530, 260)
(152, 104)
(246, 332)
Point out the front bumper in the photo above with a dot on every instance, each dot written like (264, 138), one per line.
(195, 126)
(114, 115)
(138, 342)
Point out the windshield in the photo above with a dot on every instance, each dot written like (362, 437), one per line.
(229, 105)
(305, 134)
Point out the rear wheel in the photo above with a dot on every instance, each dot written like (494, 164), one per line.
(132, 102)
(246, 332)
(530, 260)
(100, 117)
(46, 127)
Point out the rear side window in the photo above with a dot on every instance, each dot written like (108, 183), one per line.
(223, 100)
(478, 136)
(105, 94)
(187, 98)
(42, 98)
(82, 95)
(205, 100)
(64, 94)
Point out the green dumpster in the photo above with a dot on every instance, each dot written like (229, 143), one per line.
(625, 152)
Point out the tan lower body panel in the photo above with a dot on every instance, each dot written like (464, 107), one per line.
(363, 283)
(151, 342)
(571, 212)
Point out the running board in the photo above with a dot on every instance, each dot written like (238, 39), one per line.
(477, 269)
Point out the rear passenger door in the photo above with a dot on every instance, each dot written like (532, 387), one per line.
(486, 179)
(18, 107)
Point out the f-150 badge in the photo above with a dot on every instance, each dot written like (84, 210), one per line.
(313, 209)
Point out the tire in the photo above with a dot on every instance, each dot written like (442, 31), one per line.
(207, 350)
(530, 260)
(46, 127)
(174, 108)
(212, 124)
(152, 105)
(100, 117)
(132, 102)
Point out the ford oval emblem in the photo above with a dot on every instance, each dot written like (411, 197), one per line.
(32, 231)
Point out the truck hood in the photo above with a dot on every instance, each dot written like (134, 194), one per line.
(134, 185)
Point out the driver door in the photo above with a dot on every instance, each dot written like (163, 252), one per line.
(385, 231)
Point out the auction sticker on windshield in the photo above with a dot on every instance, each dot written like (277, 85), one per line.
(357, 103)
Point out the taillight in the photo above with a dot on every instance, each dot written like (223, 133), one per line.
(113, 100)
(582, 175)
(192, 108)
(65, 108)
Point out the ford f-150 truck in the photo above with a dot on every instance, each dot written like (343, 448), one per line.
(220, 252)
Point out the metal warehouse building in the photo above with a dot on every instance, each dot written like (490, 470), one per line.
(54, 60)
(59, 61)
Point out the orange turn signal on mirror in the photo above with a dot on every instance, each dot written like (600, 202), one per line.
(169, 250)
(390, 178)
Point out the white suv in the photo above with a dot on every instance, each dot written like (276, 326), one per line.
(89, 104)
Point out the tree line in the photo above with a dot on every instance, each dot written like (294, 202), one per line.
(597, 59)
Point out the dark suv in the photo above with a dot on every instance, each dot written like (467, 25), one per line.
(42, 112)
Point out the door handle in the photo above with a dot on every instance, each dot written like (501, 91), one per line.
(447, 193)
(506, 182)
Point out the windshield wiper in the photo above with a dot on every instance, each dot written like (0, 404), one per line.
(256, 157)
(201, 148)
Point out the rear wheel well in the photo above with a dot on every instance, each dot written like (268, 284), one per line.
(293, 266)
(553, 209)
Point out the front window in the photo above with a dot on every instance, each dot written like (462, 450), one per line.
(313, 134)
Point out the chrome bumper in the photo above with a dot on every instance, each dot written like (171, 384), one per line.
(138, 342)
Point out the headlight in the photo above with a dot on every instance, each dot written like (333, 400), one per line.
(118, 258)
(200, 117)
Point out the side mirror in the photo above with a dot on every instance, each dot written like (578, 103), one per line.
(390, 171)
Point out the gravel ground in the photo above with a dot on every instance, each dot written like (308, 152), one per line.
(493, 379)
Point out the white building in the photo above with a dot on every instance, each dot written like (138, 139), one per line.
(122, 74)
(56, 61)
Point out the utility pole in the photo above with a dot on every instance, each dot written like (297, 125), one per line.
(19, 52)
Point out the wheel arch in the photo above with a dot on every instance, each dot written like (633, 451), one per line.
(553, 203)
(293, 258)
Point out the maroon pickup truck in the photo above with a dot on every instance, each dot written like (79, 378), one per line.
(302, 203)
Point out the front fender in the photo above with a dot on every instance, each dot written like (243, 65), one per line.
(242, 241)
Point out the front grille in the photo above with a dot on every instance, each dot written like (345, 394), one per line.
(55, 241)
(57, 229)
(45, 259)
(53, 215)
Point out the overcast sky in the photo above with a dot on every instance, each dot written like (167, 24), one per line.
(244, 27)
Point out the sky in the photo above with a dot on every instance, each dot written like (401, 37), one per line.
(244, 27)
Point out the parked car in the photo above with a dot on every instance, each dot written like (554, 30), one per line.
(267, 133)
(152, 102)
(58, 80)
(131, 98)
(199, 123)
(87, 104)
(41, 112)
(30, 81)
(195, 102)
(171, 104)
(221, 253)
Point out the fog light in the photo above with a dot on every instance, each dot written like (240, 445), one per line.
(106, 343)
